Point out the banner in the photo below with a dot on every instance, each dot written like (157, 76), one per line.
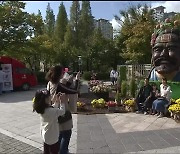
(7, 79)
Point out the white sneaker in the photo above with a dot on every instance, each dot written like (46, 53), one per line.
(160, 115)
(145, 113)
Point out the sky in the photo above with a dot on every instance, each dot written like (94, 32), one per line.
(100, 9)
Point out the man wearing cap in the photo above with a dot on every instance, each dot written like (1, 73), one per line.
(165, 43)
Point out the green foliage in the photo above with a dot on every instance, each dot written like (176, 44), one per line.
(86, 75)
(49, 21)
(74, 20)
(122, 71)
(135, 36)
(86, 27)
(61, 23)
(41, 77)
(15, 25)
(118, 97)
(124, 89)
(103, 75)
(132, 87)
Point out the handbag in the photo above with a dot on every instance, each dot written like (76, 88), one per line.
(66, 117)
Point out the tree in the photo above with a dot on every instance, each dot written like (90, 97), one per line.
(61, 24)
(86, 28)
(49, 21)
(68, 56)
(15, 28)
(36, 24)
(137, 28)
(74, 20)
(86, 21)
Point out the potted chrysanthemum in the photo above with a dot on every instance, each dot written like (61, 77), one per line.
(98, 103)
(81, 105)
(129, 105)
(174, 110)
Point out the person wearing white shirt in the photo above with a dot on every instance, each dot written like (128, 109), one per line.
(116, 74)
(49, 126)
(164, 99)
(112, 72)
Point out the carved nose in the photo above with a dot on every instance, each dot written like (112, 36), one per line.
(164, 52)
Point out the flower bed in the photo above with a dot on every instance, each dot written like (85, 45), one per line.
(97, 109)
(101, 91)
(92, 83)
(174, 109)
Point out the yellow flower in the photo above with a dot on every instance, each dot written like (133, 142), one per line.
(33, 99)
(129, 102)
(178, 101)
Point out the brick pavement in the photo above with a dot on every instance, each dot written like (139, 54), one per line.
(101, 133)
(11, 145)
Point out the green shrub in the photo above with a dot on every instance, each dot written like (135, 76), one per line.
(122, 71)
(132, 87)
(118, 97)
(124, 89)
(103, 75)
(86, 75)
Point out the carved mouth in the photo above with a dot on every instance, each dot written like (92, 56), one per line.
(163, 61)
(164, 65)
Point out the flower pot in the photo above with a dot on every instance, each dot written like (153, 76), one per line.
(130, 108)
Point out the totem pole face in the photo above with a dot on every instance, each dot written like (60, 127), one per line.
(165, 43)
(166, 53)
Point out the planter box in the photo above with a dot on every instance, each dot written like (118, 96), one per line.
(111, 108)
(130, 108)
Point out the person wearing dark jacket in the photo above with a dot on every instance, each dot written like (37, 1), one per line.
(143, 99)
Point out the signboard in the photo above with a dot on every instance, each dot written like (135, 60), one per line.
(7, 79)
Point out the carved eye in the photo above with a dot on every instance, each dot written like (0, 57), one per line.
(171, 48)
(158, 50)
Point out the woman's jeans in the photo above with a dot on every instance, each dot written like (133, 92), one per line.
(159, 105)
(64, 139)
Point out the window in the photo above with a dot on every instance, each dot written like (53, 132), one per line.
(23, 70)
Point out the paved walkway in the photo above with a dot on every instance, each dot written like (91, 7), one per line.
(101, 133)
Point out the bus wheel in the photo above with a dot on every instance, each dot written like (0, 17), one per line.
(25, 86)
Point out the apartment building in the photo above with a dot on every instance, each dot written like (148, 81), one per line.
(105, 26)
(160, 15)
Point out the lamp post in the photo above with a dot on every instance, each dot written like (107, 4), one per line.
(79, 62)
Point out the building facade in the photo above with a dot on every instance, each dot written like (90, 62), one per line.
(160, 15)
(105, 26)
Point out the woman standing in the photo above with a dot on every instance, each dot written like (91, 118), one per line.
(53, 76)
(49, 119)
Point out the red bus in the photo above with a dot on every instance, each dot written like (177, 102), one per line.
(21, 75)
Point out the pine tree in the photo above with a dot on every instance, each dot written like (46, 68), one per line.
(49, 21)
(61, 24)
(86, 30)
(74, 20)
(86, 21)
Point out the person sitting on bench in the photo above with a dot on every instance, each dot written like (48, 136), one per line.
(143, 99)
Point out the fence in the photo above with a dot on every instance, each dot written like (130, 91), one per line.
(137, 71)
